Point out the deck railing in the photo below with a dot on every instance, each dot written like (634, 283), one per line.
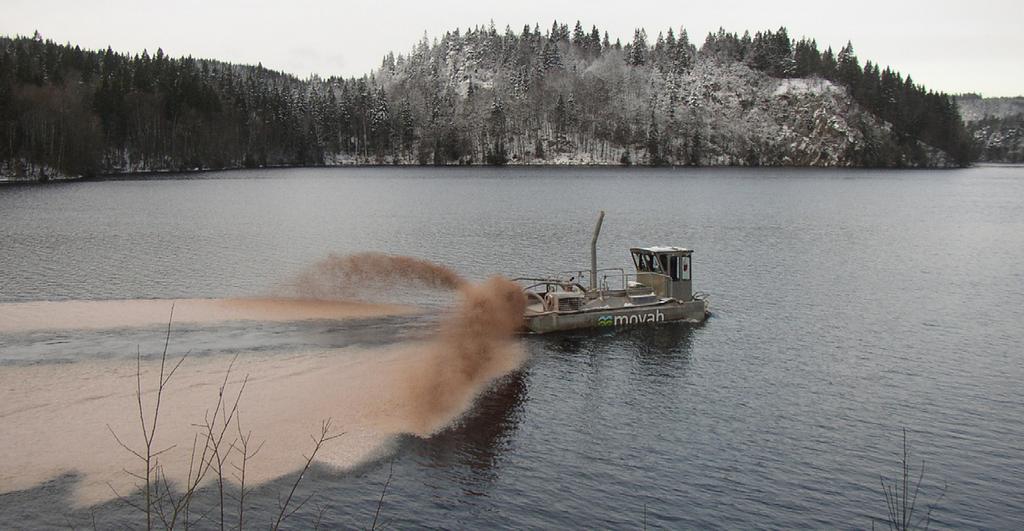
(608, 279)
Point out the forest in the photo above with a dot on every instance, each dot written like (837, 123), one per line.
(999, 139)
(996, 125)
(480, 96)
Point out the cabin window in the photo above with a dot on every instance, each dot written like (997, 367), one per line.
(663, 263)
(643, 262)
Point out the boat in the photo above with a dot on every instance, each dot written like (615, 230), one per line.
(659, 291)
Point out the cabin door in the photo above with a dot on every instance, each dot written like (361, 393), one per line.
(680, 268)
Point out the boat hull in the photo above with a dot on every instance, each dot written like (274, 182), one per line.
(694, 311)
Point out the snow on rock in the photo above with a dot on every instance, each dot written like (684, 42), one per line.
(800, 87)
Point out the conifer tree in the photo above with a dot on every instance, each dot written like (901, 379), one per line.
(550, 57)
(594, 43)
(638, 50)
(579, 38)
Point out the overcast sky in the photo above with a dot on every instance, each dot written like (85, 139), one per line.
(949, 46)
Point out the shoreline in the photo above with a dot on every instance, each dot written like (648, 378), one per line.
(142, 175)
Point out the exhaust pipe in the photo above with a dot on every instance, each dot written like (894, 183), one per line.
(593, 252)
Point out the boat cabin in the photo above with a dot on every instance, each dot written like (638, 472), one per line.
(666, 270)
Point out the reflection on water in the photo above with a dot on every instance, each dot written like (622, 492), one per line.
(478, 438)
(664, 342)
(663, 345)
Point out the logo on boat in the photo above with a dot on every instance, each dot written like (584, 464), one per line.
(617, 320)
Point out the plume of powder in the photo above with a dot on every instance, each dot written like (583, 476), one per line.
(474, 346)
(372, 395)
(345, 277)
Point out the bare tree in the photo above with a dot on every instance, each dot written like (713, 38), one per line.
(900, 502)
(147, 454)
(210, 453)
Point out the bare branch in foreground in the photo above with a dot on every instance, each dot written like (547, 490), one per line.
(325, 428)
(380, 503)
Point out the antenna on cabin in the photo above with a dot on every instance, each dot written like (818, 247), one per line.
(593, 252)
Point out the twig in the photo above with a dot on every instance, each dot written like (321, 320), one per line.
(325, 428)
(900, 502)
(246, 456)
(380, 502)
(320, 509)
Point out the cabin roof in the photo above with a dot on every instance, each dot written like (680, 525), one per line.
(661, 249)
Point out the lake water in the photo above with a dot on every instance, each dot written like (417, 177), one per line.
(847, 305)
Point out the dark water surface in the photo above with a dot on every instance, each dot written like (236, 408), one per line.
(847, 306)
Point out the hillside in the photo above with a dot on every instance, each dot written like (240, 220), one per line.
(478, 97)
(996, 125)
(974, 108)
